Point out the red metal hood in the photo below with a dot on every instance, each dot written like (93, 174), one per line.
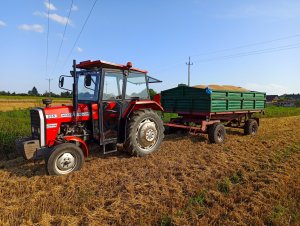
(65, 113)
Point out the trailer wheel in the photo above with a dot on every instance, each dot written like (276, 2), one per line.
(250, 127)
(216, 133)
(64, 159)
(145, 132)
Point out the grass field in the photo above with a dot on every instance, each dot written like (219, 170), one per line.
(275, 112)
(248, 180)
(16, 123)
(270, 112)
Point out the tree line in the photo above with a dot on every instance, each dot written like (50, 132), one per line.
(66, 94)
(34, 92)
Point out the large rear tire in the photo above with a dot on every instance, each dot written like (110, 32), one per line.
(216, 133)
(145, 132)
(251, 127)
(64, 159)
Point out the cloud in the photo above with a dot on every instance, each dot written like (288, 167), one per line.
(49, 6)
(79, 50)
(34, 27)
(2, 23)
(59, 19)
(55, 17)
(270, 89)
(74, 8)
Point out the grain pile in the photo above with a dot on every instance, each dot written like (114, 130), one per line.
(246, 181)
(223, 87)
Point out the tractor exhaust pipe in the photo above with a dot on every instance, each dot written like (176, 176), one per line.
(75, 91)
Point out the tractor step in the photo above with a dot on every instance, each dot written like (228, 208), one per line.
(110, 148)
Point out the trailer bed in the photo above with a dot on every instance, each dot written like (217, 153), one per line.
(200, 101)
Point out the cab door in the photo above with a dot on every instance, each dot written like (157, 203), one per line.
(111, 106)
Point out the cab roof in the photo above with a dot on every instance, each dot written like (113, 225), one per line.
(104, 64)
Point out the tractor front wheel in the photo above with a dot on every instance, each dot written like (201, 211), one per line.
(64, 159)
(145, 132)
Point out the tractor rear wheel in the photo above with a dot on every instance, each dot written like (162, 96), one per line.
(64, 159)
(250, 127)
(216, 133)
(145, 132)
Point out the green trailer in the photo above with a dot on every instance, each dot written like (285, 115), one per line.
(209, 111)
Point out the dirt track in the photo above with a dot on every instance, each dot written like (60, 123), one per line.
(246, 181)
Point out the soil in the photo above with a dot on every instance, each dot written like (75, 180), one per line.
(248, 180)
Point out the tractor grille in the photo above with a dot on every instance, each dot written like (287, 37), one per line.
(35, 124)
(35, 118)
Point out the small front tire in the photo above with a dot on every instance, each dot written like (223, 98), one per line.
(64, 159)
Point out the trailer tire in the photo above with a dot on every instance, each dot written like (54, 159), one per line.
(250, 127)
(64, 159)
(216, 133)
(145, 132)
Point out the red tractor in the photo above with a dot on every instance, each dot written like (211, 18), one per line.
(111, 106)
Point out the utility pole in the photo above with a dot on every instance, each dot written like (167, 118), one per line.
(189, 64)
(49, 80)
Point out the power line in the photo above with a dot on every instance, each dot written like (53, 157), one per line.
(47, 48)
(250, 45)
(254, 52)
(189, 64)
(62, 40)
(79, 34)
(237, 47)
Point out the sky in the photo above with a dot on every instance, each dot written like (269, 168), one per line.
(251, 43)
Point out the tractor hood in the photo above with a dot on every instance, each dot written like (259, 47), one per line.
(65, 113)
(46, 122)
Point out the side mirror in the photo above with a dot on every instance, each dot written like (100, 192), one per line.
(61, 82)
(88, 80)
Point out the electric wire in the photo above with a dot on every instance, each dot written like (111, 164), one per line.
(62, 40)
(233, 48)
(79, 34)
(249, 45)
(254, 52)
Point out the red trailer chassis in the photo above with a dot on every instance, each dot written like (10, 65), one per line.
(202, 122)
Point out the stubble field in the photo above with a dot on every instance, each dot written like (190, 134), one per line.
(246, 181)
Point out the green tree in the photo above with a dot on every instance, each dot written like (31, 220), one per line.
(152, 93)
(66, 94)
(33, 92)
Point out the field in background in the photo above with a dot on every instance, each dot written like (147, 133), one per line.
(276, 112)
(270, 112)
(14, 124)
(9, 103)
